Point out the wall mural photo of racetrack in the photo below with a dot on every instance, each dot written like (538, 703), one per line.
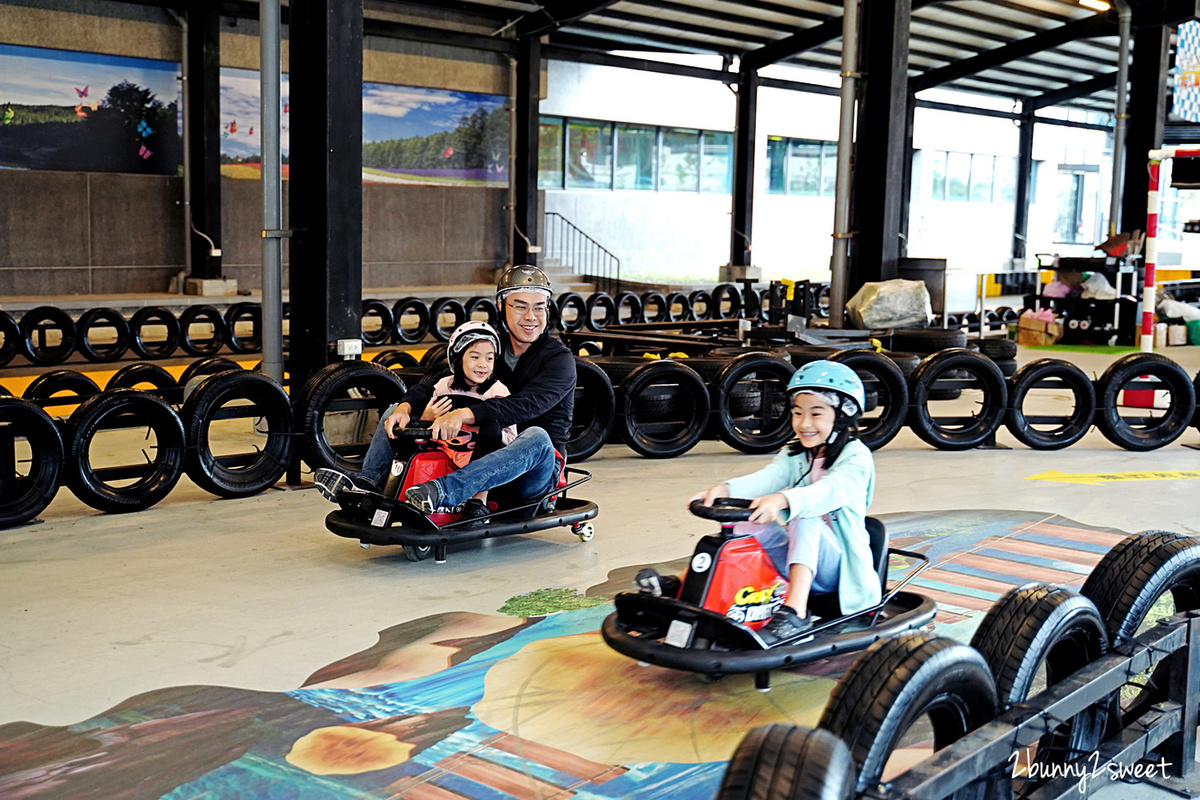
(530, 703)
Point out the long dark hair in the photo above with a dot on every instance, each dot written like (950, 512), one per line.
(845, 430)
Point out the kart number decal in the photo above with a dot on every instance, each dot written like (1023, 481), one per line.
(380, 520)
(701, 562)
(679, 634)
(397, 468)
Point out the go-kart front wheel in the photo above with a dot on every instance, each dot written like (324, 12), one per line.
(584, 530)
(414, 553)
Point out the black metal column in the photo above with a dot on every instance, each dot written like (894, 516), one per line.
(325, 192)
(1147, 115)
(877, 184)
(1024, 180)
(204, 119)
(743, 169)
(910, 112)
(529, 89)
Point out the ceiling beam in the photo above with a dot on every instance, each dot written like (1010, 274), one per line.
(1075, 90)
(555, 13)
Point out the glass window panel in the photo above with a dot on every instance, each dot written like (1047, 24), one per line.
(1006, 180)
(635, 157)
(958, 175)
(550, 156)
(589, 155)
(938, 168)
(804, 167)
(776, 165)
(716, 170)
(828, 168)
(981, 178)
(1068, 222)
(679, 165)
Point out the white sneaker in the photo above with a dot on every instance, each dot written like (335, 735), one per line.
(329, 482)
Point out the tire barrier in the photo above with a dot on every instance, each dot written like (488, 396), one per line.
(702, 304)
(723, 295)
(205, 367)
(100, 319)
(595, 411)
(927, 340)
(602, 302)
(629, 308)
(77, 385)
(789, 762)
(137, 375)
(1144, 432)
(679, 308)
(410, 317)
(1064, 430)
(655, 300)
(433, 356)
(32, 449)
(882, 378)
(572, 311)
(487, 306)
(396, 358)
(350, 388)
(202, 316)
(145, 320)
(663, 409)
(263, 406)
(10, 332)
(376, 310)
(750, 406)
(36, 328)
(441, 307)
(237, 316)
(963, 430)
(106, 488)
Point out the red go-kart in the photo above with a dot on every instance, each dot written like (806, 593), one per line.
(732, 588)
(385, 519)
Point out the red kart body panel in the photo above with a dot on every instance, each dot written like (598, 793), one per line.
(745, 586)
(423, 467)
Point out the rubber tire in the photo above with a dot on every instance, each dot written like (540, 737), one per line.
(268, 397)
(701, 297)
(891, 390)
(633, 303)
(726, 292)
(995, 405)
(1008, 366)
(404, 306)
(54, 355)
(101, 317)
(685, 307)
(486, 305)
(10, 332)
(997, 349)
(1167, 428)
(393, 358)
(631, 394)
(1044, 625)
(414, 553)
(24, 499)
(1077, 424)
(433, 356)
(595, 411)
(907, 362)
(202, 314)
(314, 398)
(725, 407)
(575, 301)
(377, 308)
(926, 340)
(87, 420)
(898, 680)
(206, 366)
(600, 300)
(46, 385)
(445, 305)
(789, 762)
(239, 312)
(131, 376)
(153, 315)
(662, 312)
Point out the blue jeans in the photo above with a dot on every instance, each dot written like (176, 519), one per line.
(378, 460)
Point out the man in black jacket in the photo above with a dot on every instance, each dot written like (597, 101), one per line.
(539, 372)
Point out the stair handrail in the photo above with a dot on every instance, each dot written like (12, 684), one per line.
(569, 243)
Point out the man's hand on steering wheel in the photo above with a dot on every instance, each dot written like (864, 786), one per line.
(449, 425)
(769, 508)
(398, 420)
(709, 495)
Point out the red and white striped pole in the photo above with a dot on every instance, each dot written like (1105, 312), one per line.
(1148, 293)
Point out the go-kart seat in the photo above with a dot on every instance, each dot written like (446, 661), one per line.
(879, 548)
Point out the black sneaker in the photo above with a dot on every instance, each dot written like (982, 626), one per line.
(474, 509)
(648, 580)
(425, 497)
(785, 625)
(329, 482)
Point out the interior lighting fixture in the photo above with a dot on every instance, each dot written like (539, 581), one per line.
(1096, 5)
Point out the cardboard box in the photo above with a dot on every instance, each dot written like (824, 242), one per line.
(1032, 331)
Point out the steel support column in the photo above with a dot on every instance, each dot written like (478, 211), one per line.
(743, 169)
(878, 186)
(1024, 180)
(204, 117)
(910, 112)
(325, 191)
(529, 90)
(1147, 115)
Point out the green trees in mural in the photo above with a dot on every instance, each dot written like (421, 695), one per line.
(479, 142)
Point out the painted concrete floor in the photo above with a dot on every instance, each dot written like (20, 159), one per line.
(255, 595)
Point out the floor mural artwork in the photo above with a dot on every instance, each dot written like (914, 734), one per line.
(488, 707)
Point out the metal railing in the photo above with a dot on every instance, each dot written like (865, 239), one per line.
(563, 240)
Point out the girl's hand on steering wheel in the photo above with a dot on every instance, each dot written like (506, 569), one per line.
(769, 508)
(709, 495)
(438, 407)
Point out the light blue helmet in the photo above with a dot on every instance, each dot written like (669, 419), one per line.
(825, 377)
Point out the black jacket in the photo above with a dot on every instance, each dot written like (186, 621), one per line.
(542, 390)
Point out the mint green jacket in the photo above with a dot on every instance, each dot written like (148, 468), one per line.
(843, 492)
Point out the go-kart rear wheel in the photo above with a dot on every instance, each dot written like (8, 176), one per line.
(414, 553)
(584, 530)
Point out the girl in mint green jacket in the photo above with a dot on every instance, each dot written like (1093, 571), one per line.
(813, 496)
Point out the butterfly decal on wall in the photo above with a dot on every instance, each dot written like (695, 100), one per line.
(145, 152)
(82, 92)
(144, 130)
(93, 104)
(79, 112)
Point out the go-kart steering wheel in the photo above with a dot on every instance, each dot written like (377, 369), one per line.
(723, 509)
